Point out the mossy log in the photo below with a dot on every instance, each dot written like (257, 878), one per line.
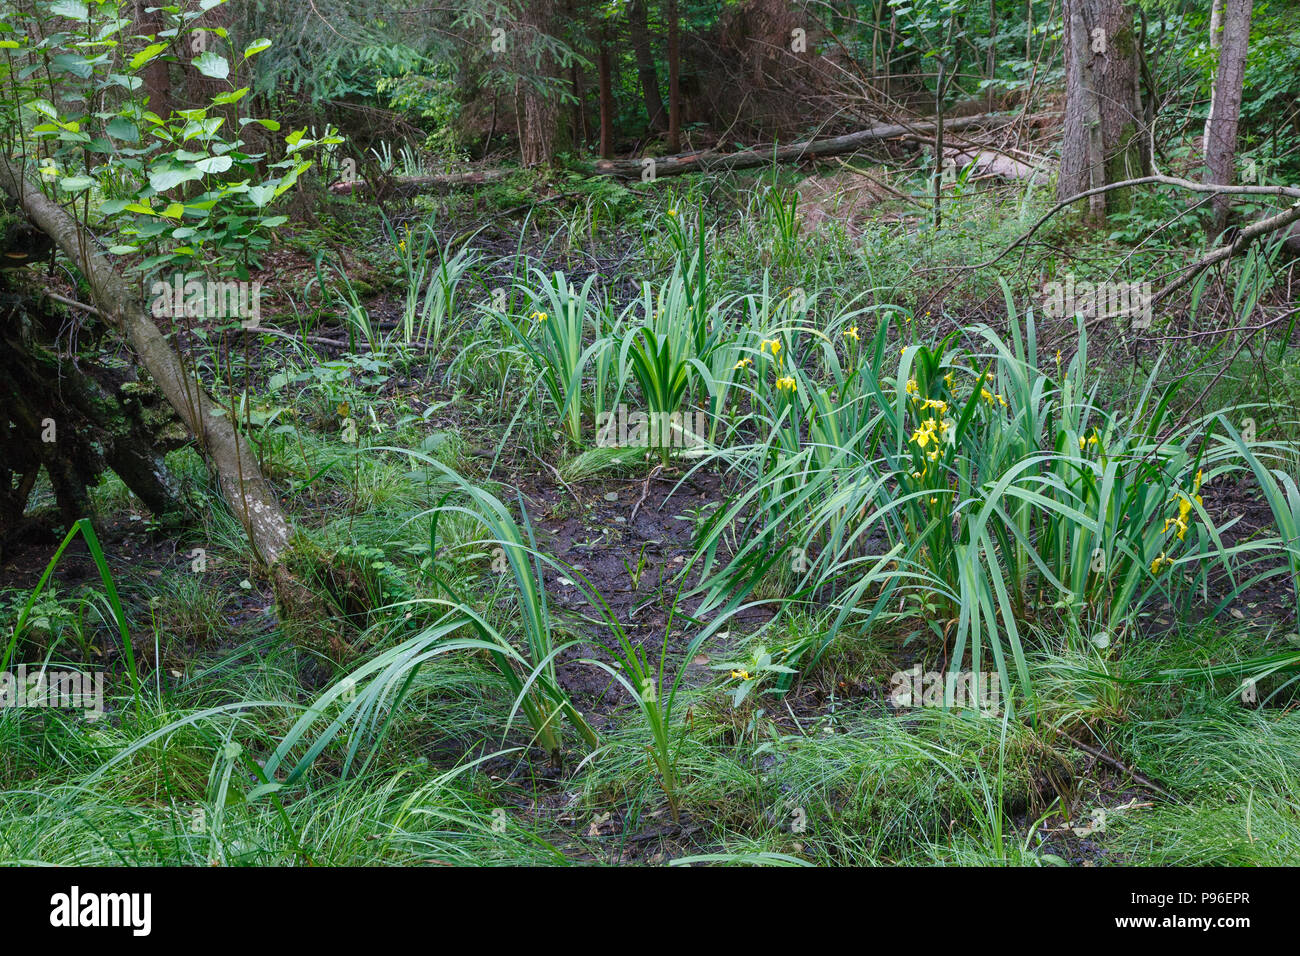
(75, 415)
(250, 498)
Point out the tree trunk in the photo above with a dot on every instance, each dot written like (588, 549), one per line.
(539, 108)
(991, 65)
(578, 115)
(241, 481)
(1216, 37)
(605, 69)
(1104, 139)
(578, 125)
(674, 78)
(1029, 31)
(1225, 105)
(74, 421)
(710, 160)
(157, 82)
(938, 146)
(639, 24)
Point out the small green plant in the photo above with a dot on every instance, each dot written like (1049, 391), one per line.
(750, 673)
(781, 219)
(635, 571)
(432, 275)
(552, 337)
(84, 528)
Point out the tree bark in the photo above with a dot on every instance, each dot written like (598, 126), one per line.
(1104, 137)
(240, 479)
(674, 78)
(705, 160)
(157, 81)
(98, 419)
(1225, 105)
(539, 109)
(605, 69)
(639, 24)
(1216, 37)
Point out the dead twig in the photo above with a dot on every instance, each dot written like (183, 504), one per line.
(645, 491)
(1119, 765)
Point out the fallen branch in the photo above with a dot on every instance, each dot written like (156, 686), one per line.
(299, 339)
(705, 160)
(1244, 238)
(434, 182)
(1118, 765)
(74, 304)
(645, 490)
(713, 160)
(1290, 192)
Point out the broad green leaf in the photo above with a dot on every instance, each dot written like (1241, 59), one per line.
(168, 178)
(78, 66)
(213, 164)
(233, 96)
(213, 65)
(119, 127)
(72, 9)
(147, 54)
(44, 107)
(261, 195)
(126, 82)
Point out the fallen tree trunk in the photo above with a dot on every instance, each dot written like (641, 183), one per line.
(100, 418)
(711, 160)
(240, 479)
(437, 182)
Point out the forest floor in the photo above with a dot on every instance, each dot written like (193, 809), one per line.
(1127, 758)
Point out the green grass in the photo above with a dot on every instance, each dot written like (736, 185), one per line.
(449, 727)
